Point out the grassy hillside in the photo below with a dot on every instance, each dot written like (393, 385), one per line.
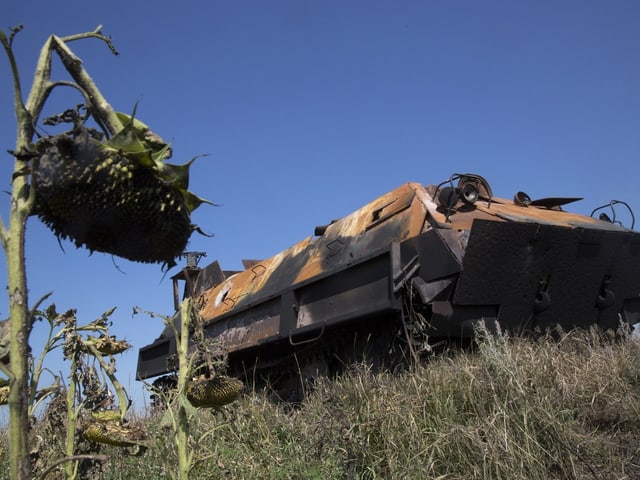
(511, 408)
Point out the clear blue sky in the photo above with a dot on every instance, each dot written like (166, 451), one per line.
(309, 109)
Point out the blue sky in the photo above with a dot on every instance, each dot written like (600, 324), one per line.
(309, 109)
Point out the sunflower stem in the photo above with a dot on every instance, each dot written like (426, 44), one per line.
(71, 468)
(101, 108)
(12, 236)
(19, 319)
(182, 430)
(123, 398)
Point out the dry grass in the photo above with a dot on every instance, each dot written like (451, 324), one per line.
(512, 408)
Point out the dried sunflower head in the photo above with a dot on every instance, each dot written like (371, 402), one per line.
(213, 392)
(117, 196)
(4, 395)
(114, 433)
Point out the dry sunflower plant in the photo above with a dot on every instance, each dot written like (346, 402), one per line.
(89, 406)
(107, 188)
(199, 383)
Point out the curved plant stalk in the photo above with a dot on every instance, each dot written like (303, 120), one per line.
(185, 454)
(131, 139)
(19, 322)
(12, 236)
(74, 458)
(81, 351)
(121, 393)
(102, 109)
(36, 397)
(43, 86)
(181, 413)
(78, 351)
(71, 468)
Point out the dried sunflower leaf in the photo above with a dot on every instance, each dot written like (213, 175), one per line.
(106, 345)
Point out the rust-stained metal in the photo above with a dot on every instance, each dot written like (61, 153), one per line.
(451, 254)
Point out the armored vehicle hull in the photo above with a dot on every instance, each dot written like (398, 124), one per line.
(416, 266)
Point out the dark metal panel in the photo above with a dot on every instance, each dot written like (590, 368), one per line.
(436, 257)
(541, 274)
(459, 321)
(209, 277)
(359, 290)
(152, 359)
(247, 327)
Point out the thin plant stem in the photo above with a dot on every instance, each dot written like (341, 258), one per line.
(123, 399)
(182, 431)
(12, 236)
(73, 458)
(19, 321)
(71, 468)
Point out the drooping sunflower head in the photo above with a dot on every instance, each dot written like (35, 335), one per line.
(117, 196)
(213, 392)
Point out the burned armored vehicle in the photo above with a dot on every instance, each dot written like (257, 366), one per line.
(417, 266)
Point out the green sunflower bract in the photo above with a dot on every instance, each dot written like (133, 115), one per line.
(117, 196)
